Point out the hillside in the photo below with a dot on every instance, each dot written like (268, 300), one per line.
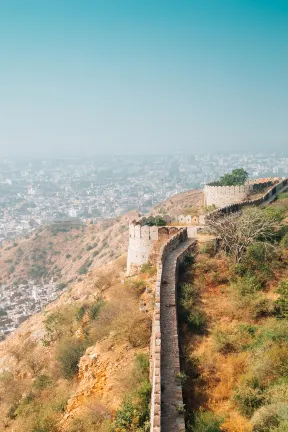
(233, 319)
(66, 253)
(101, 323)
(60, 252)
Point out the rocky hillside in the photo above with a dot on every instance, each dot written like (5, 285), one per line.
(67, 252)
(101, 323)
(63, 252)
(69, 367)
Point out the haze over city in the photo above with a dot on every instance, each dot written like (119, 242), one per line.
(106, 77)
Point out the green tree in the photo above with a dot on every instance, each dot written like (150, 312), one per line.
(236, 177)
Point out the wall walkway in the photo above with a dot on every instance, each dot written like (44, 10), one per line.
(164, 351)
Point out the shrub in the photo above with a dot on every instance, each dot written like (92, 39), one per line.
(249, 284)
(83, 269)
(259, 253)
(59, 323)
(233, 339)
(270, 362)
(138, 285)
(284, 241)
(43, 381)
(270, 417)
(81, 312)
(149, 269)
(3, 312)
(207, 421)
(134, 412)
(69, 353)
(262, 307)
(139, 333)
(68, 255)
(94, 309)
(209, 248)
(156, 221)
(196, 320)
(249, 397)
(282, 302)
(61, 286)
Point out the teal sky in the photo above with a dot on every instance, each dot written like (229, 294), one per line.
(142, 76)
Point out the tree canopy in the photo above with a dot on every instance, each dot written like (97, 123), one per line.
(236, 177)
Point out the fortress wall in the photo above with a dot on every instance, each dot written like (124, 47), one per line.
(143, 240)
(155, 346)
(269, 196)
(223, 195)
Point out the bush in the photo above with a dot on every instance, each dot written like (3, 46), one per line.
(269, 417)
(262, 307)
(281, 303)
(233, 339)
(249, 284)
(139, 333)
(81, 312)
(134, 412)
(83, 269)
(94, 309)
(249, 397)
(206, 421)
(196, 320)
(259, 253)
(69, 353)
(138, 285)
(156, 221)
(149, 269)
(43, 381)
(284, 241)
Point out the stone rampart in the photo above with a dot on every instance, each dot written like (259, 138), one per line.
(269, 196)
(155, 350)
(143, 241)
(222, 196)
(155, 347)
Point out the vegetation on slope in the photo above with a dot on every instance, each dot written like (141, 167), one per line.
(234, 331)
(70, 370)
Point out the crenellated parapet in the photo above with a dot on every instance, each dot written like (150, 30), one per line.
(220, 196)
(144, 242)
(278, 186)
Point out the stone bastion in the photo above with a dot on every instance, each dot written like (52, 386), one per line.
(221, 196)
(145, 242)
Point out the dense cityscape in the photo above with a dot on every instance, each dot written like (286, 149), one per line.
(34, 192)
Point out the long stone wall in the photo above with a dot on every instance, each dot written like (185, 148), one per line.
(178, 242)
(269, 196)
(221, 196)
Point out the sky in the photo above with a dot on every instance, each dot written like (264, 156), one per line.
(142, 76)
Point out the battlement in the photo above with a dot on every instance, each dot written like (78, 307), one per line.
(220, 196)
(144, 240)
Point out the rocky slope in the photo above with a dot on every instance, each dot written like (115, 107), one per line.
(102, 322)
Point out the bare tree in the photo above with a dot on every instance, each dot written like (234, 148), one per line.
(239, 230)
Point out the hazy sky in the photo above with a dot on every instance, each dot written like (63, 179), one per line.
(142, 76)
